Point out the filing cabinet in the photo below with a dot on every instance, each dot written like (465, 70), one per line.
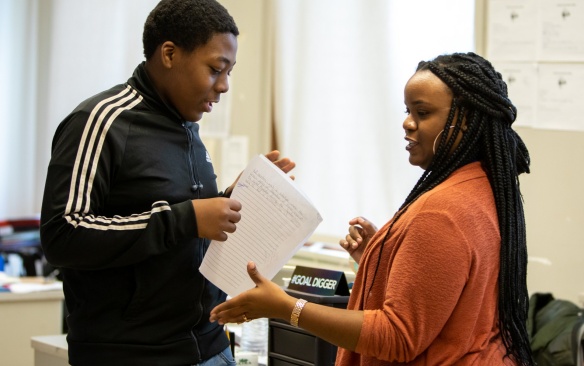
(291, 346)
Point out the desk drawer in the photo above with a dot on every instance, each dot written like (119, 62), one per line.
(292, 343)
(291, 346)
(277, 360)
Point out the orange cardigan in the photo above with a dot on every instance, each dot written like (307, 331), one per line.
(434, 299)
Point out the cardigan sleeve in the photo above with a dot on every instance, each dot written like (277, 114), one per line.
(427, 276)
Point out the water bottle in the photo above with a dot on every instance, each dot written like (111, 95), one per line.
(254, 336)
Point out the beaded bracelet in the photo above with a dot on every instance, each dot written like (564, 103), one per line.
(294, 317)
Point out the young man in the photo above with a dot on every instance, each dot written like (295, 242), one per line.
(131, 200)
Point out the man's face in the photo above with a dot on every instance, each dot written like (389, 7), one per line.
(198, 78)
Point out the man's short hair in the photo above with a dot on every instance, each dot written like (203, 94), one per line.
(187, 23)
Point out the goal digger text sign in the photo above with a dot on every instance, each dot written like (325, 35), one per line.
(319, 281)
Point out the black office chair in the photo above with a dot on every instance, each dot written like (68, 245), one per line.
(578, 342)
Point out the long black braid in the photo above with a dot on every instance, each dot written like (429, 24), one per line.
(480, 98)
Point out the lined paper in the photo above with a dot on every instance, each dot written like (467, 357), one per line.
(276, 220)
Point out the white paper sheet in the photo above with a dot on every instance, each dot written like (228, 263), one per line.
(521, 79)
(276, 220)
(559, 101)
(562, 30)
(234, 158)
(512, 30)
(24, 288)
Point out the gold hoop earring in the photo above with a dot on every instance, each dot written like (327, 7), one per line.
(434, 144)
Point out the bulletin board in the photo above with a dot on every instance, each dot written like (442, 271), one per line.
(538, 46)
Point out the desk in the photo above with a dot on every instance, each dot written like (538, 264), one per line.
(23, 316)
(50, 350)
(291, 346)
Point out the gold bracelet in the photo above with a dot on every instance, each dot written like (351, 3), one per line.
(296, 312)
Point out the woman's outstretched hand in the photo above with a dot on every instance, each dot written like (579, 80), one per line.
(266, 300)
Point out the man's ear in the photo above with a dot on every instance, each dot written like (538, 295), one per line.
(168, 52)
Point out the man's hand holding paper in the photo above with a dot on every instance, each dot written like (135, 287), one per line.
(272, 205)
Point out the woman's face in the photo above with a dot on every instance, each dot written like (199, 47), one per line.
(428, 101)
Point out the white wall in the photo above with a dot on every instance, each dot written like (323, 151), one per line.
(553, 201)
(554, 211)
(553, 194)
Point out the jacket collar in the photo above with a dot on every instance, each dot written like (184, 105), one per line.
(142, 83)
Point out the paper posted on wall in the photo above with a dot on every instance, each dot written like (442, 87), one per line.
(277, 218)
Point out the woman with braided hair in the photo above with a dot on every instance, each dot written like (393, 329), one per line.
(444, 281)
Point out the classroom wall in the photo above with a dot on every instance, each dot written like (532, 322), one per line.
(554, 199)
(554, 212)
(250, 85)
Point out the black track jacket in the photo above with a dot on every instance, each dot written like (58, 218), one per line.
(118, 220)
